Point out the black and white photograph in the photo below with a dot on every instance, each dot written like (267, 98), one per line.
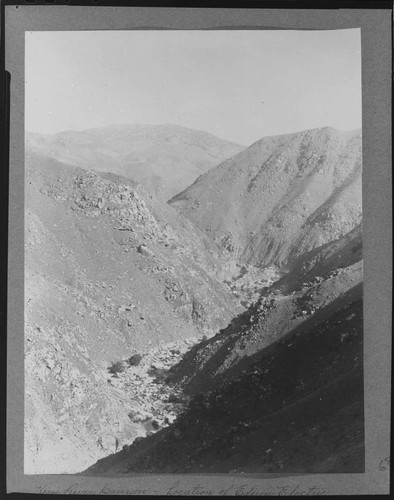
(193, 273)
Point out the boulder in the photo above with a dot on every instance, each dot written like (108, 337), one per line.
(144, 250)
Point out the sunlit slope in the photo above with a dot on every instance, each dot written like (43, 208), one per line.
(281, 197)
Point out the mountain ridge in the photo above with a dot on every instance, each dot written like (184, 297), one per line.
(164, 158)
(294, 191)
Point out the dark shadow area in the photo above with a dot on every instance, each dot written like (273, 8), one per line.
(189, 364)
(299, 408)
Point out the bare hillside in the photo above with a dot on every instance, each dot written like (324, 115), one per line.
(110, 273)
(281, 197)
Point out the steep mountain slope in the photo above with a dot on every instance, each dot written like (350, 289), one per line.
(164, 158)
(324, 260)
(279, 390)
(281, 197)
(109, 272)
(283, 307)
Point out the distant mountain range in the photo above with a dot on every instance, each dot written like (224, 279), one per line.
(281, 197)
(165, 159)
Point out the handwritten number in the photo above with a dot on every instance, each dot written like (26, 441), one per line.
(384, 464)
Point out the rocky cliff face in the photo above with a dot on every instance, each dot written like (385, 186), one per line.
(281, 197)
(110, 272)
(165, 159)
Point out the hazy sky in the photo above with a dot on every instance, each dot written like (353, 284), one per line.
(208, 80)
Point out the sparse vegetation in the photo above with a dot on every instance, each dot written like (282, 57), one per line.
(117, 367)
(135, 359)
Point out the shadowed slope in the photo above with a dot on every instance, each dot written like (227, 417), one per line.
(297, 408)
(279, 390)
